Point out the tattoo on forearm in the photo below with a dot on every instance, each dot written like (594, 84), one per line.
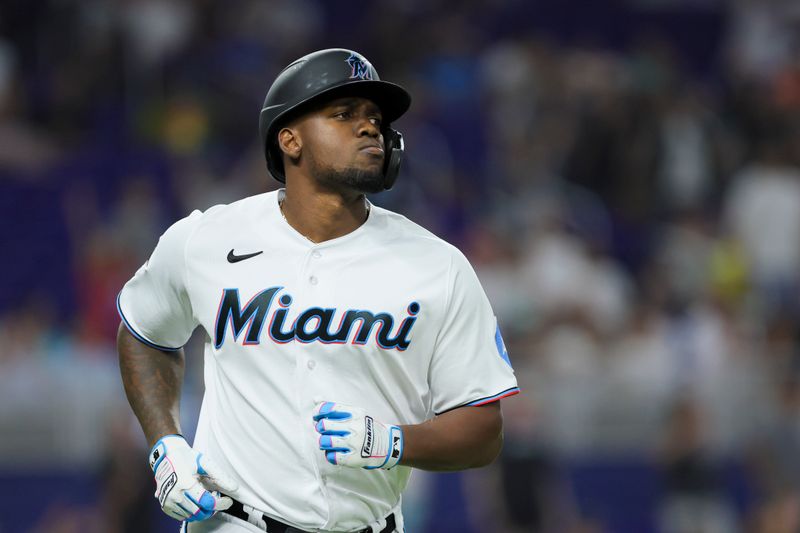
(152, 381)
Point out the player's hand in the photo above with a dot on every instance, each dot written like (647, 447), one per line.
(187, 482)
(350, 437)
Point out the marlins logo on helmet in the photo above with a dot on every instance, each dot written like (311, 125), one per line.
(361, 69)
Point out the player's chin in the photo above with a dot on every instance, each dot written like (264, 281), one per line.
(367, 180)
(358, 176)
(368, 161)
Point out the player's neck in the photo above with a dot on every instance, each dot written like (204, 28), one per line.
(323, 215)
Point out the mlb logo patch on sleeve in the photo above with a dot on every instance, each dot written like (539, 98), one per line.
(501, 346)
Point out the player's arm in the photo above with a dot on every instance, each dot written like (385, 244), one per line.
(152, 380)
(157, 318)
(187, 482)
(467, 437)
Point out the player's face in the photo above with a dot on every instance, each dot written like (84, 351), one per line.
(343, 144)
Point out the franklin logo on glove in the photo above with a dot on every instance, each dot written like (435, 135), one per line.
(366, 451)
(166, 486)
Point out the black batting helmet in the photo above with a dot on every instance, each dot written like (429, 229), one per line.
(329, 74)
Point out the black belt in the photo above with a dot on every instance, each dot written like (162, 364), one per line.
(275, 526)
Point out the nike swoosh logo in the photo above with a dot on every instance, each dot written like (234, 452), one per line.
(233, 258)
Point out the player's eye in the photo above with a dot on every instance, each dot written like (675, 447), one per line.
(342, 114)
(376, 121)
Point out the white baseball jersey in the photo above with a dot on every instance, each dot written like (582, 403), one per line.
(388, 317)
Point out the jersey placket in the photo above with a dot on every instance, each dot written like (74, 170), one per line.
(312, 286)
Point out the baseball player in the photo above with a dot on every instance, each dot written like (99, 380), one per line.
(345, 345)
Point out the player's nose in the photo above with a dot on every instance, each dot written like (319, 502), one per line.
(366, 124)
(367, 128)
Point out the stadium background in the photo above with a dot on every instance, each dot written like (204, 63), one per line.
(624, 176)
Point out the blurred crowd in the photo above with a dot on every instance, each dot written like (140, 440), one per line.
(624, 178)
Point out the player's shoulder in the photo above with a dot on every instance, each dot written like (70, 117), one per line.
(221, 217)
(234, 214)
(401, 231)
(238, 211)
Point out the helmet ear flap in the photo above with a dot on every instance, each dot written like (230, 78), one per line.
(394, 148)
(271, 151)
(275, 163)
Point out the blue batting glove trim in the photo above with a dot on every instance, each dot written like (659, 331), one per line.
(163, 446)
(402, 443)
(206, 501)
(200, 515)
(339, 415)
(200, 469)
(326, 411)
(164, 437)
(331, 457)
(326, 408)
(326, 443)
(205, 507)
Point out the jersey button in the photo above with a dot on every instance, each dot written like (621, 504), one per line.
(311, 364)
(315, 254)
(313, 280)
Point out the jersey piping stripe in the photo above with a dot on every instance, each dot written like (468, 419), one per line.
(506, 393)
(483, 401)
(139, 337)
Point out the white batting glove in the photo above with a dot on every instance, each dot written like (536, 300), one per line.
(350, 437)
(187, 482)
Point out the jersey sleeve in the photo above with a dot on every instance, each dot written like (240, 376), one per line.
(155, 304)
(470, 365)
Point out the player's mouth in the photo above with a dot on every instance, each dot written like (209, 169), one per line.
(373, 149)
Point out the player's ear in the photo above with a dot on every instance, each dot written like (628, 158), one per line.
(290, 143)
